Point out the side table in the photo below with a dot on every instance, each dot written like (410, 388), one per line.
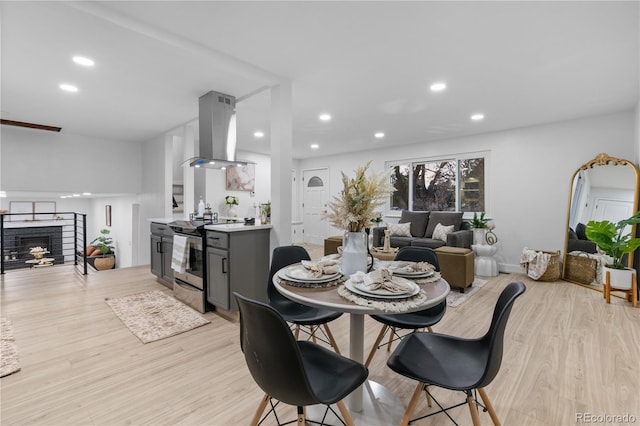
(485, 264)
(39, 263)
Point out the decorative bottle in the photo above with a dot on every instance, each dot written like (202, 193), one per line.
(201, 208)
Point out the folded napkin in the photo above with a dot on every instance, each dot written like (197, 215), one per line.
(381, 279)
(412, 266)
(321, 267)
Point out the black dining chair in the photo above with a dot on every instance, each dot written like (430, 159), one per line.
(456, 363)
(299, 373)
(305, 318)
(413, 320)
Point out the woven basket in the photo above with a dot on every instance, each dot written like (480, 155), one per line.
(553, 268)
(580, 268)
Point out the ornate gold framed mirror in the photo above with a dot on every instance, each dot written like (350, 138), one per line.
(605, 188)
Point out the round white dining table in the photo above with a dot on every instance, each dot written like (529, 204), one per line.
(372, 403)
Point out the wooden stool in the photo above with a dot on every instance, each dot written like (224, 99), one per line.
(632, 293)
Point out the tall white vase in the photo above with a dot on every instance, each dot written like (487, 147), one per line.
(479, 236)
(354, 253)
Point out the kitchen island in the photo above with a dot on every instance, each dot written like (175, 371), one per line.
(233, 257)
(237, 261)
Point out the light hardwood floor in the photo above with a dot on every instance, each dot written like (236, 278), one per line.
(566, 352)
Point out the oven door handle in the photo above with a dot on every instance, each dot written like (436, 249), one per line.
(224, 263)
(159, 246)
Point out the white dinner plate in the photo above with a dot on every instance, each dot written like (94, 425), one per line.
(299, 273)
(413, 275)
(352, 288)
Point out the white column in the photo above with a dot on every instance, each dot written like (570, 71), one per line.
(281, 163)
(167, 192)
(189, 148)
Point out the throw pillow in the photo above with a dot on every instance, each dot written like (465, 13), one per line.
(440, 232)
(399, 229)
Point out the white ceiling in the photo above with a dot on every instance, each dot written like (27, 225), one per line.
(369, 64)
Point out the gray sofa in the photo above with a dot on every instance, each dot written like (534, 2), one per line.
(421, 228)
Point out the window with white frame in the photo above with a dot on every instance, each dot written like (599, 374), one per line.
(442, 184)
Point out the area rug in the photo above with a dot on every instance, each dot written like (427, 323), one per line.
(153, 315)
(9, 362)
(455, 298)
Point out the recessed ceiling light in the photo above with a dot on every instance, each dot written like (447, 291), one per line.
(76, 195)
(314, 146)
(324, 117)
(86, 193)
(438, 87)
(197, 166)
(81, 60)
(68, 87)
(223, 168)
(212, 162)
(258, 134)
(477, 117)
(379, 135)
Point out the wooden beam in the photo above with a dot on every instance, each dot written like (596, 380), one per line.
(30, 125)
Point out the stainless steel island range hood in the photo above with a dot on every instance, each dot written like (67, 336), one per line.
(217, 123)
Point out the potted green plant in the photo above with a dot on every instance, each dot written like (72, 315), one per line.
(480, 225)
(102, 256)
(614, 240)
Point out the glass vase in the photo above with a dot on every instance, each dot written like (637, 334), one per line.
(354, 253)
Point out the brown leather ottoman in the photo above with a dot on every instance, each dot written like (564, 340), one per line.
(331, 244)
(456, 266)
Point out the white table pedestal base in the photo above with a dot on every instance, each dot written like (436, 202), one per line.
(380, 407)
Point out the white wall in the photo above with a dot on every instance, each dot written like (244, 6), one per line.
(36, 160)
(637, 144)
(121, 229)
(528, 174)
(216, 187)
(152, 202)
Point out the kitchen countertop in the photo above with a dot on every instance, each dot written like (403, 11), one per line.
(235, 227)
(161, 220)
(220, 227)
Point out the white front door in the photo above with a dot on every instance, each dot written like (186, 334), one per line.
(315, 198)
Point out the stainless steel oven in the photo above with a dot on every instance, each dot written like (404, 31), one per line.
(189, 286)
(194, 271)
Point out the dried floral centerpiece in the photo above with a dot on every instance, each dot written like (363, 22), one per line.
(354, 209)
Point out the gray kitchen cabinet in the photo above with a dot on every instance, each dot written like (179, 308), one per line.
(161, 253)
(237, 261)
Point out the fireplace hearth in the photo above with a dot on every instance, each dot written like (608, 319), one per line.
(20, 241)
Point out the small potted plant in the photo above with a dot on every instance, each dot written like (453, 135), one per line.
(480, 226)
(265, 213)
(102, 256)
(613, 240)
(231, 201)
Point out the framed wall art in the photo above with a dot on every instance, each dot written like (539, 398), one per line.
(241, 178)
